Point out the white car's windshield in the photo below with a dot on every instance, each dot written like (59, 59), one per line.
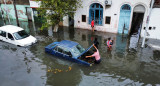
(77, 50)
(20, 35)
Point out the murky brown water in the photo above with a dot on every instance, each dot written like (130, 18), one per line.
(121, 66)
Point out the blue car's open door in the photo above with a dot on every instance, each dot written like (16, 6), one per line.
(85, 51)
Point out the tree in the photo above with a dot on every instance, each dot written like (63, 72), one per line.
(53, 11)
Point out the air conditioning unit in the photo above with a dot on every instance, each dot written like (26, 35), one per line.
(108, 2)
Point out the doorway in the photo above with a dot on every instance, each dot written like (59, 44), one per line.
(137, 21)
(71, 20)
(96, 16)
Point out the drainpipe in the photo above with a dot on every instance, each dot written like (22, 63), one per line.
(147, 23)
(14, 3)
(7, 11)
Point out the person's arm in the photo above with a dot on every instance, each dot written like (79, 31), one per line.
(91, 55)
(88, 56)
(94, 46)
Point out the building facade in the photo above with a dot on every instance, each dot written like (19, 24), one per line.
(115, 16)
(154, 26)
(23, 9)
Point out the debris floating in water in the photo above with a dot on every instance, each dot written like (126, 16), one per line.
(59, 70)
(70, 68)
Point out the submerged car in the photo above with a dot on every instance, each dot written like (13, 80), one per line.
(70, 50)
(16, 35)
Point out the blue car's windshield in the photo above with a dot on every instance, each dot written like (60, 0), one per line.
(77, 50)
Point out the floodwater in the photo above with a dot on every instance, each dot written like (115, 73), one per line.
(121, 66)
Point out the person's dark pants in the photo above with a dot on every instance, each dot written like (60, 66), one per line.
(97, 61)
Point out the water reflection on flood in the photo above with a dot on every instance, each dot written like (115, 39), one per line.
(119, 66)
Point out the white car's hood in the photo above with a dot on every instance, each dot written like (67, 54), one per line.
(27, 41)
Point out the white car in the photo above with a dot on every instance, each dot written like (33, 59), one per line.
(16, 35)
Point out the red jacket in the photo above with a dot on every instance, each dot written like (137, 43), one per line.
(92, 23)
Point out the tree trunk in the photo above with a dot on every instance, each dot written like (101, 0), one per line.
(55, 28)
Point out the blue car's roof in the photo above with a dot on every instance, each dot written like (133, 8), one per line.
(67, 43)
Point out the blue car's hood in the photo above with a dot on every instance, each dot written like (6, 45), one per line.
(84, 51)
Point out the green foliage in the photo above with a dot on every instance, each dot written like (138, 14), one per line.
(53, 11)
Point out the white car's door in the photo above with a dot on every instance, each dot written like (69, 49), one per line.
(10, 39)
(3, 35)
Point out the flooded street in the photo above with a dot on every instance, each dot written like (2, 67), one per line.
(121, 66)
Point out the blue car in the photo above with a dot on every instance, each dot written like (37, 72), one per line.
(70, 50)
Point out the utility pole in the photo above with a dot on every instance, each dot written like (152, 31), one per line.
(147, 23)
(7, 11)
(14, 3)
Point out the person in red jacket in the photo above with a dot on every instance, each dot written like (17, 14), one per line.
(92, 25)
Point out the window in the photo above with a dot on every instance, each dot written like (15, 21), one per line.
(154, 28)
(150, 28)
(80, 48)
(97, 5)
(60, 50)
(10, 36)
(77, 50)
(20, 35)
(101, 6)
(125, 7)
(83, 18)
(144, 28)
(56, 48)
(92, 6)
(2, 33)
(67, 52)
(108, 19)
(156, 4)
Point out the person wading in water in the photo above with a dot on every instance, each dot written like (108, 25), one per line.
(95, 55)
(92, 25)
(109, 44)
